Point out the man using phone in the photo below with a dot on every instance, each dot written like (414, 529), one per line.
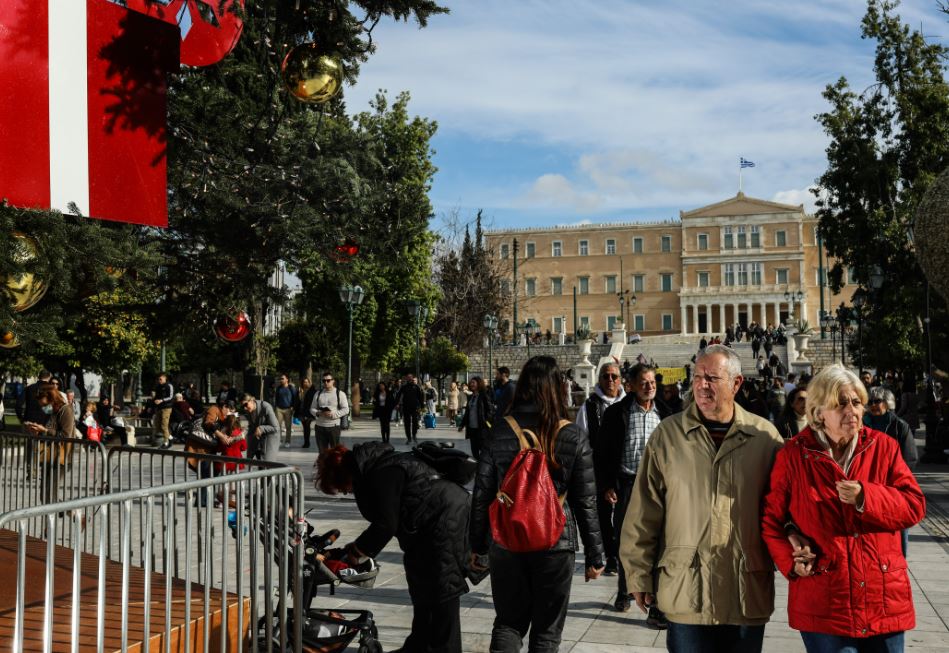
(329, 405)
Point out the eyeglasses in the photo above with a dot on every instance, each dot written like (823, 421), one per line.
(855, 402)
(327, 380)
(876, 401)
(611, 377)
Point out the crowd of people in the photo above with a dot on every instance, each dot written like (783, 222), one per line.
(689, 495)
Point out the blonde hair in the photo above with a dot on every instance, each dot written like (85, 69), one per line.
(824, 390)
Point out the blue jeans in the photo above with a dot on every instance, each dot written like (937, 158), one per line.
(682, 638)
(820, 643)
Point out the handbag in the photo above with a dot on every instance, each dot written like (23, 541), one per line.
(94, 433)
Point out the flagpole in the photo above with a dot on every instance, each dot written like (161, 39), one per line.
(739, 175)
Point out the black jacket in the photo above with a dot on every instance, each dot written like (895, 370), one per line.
(383, 411)
(400, 496)
(485, 409)
(612, 437)
(410, 398)
(898, 429)
(573, 476)
(29, 410)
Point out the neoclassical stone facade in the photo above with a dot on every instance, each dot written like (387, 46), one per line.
(729, 262)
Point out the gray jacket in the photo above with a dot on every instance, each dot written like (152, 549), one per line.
(268, 444)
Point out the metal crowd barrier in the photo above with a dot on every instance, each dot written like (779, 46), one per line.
(176, 556)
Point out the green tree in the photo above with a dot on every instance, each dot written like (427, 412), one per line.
(887, 144)
(441, 359)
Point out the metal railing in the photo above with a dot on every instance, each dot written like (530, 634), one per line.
(175, 556)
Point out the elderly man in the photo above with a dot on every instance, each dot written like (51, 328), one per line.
(263, 429)
(609, 390)
(625, 431)
(691, 541)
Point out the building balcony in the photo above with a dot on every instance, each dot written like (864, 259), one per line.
(716, 291)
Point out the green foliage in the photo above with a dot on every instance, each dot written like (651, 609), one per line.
(441, 359)
(887, 144)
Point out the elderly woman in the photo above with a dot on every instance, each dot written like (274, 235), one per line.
(401, 496)
(846, 489)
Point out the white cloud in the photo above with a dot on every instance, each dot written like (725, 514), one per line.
(799, 196)
(649, 102)
(557, 191)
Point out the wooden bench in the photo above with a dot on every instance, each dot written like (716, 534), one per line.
(192, 631)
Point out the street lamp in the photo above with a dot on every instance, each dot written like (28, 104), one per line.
(630, 304)
(530, 328)
(829, 323)
(420, 313)
(793, 298)
(351, 296)
(490, 323)
(859, 299)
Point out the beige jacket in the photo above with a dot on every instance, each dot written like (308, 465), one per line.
(692, 531)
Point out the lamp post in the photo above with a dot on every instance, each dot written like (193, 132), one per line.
(351, 296)
(630, 304)
(490, 323)
(825, 320)
(622, 304)
(530, 328)
(793, 298)
(859, 299)
(420, 313)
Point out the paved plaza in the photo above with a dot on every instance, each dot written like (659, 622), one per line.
(592, 624)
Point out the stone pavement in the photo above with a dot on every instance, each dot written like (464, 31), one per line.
(592, 625)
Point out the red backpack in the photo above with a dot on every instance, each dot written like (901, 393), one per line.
(528, 515)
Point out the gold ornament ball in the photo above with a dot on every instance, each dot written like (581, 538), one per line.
(311, 76)
(9, 340)
(27, 289)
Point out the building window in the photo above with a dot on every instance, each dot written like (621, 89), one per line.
(611, 284)
(530, 250)
(703, 242)
(851, 275)
(742, 238)
(637, 245)
(781, 276)
(558, 325)
(505, 287)
(666, 243)
(729, 274)
(639, 283)
(755, 236)
(742, 274)
(639, 323)
(584, 248)
(585, 322)
(505, 250)
(703, 279)
(729, 239)
(584, 283)
(556, 286)
(610, 246)
(756, 274)
(611, 322)
(667, 322)
(530, 287)
(780, 238)
(556, 248)
(665, 282)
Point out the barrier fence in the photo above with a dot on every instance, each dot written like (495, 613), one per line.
(150, 549)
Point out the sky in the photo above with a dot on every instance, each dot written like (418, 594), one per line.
(552, 112)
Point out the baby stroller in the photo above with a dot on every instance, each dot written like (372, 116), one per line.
(329, 631)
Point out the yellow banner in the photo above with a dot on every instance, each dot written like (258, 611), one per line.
(671, 374)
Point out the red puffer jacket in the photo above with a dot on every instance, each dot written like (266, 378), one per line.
(861, 587)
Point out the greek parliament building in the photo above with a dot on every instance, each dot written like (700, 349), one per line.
(730, 262)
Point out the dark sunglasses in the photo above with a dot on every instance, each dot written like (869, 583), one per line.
(327, 380)
(876, 401)
(611, 377)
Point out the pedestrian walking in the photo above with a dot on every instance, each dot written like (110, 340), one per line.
(163, 397)
(329, 406)
(410, 401)
(625, 432)
(476, 419)
(608, 390)
(263, 429)
(531, 591)
(383, 405)
(305, 395)
(678, 531)
(284, 403)
(846, 490)
(451, 407)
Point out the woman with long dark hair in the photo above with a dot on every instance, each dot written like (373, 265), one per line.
(793, 419)
(531, 590)
(383, 403)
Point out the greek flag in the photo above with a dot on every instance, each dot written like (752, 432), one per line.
(745, 163)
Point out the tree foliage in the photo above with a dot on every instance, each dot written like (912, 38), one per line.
(887, 144)
(469, 279)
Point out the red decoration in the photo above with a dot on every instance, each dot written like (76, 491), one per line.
(83, 114)
(345, 252)
(232, 329)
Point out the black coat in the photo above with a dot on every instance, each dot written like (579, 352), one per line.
(485, 410)
(898, 429)
(612, 438)
(400, 496)
(573, 476)
(410, 398)
(383, 411)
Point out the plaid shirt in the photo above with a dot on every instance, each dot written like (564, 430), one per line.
(641, 425)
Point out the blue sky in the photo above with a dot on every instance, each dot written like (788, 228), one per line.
(554, 112)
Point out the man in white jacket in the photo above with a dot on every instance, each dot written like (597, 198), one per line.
(329, 405)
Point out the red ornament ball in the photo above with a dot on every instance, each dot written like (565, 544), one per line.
(346, 251)
(232, 329)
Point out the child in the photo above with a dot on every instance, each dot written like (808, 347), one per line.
(233, 445)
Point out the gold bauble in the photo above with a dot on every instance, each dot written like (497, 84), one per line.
(311, 76)
(27, 289)
(9, 340)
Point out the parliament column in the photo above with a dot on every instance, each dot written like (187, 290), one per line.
(683, 318)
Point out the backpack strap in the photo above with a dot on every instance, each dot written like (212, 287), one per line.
(521, 434)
